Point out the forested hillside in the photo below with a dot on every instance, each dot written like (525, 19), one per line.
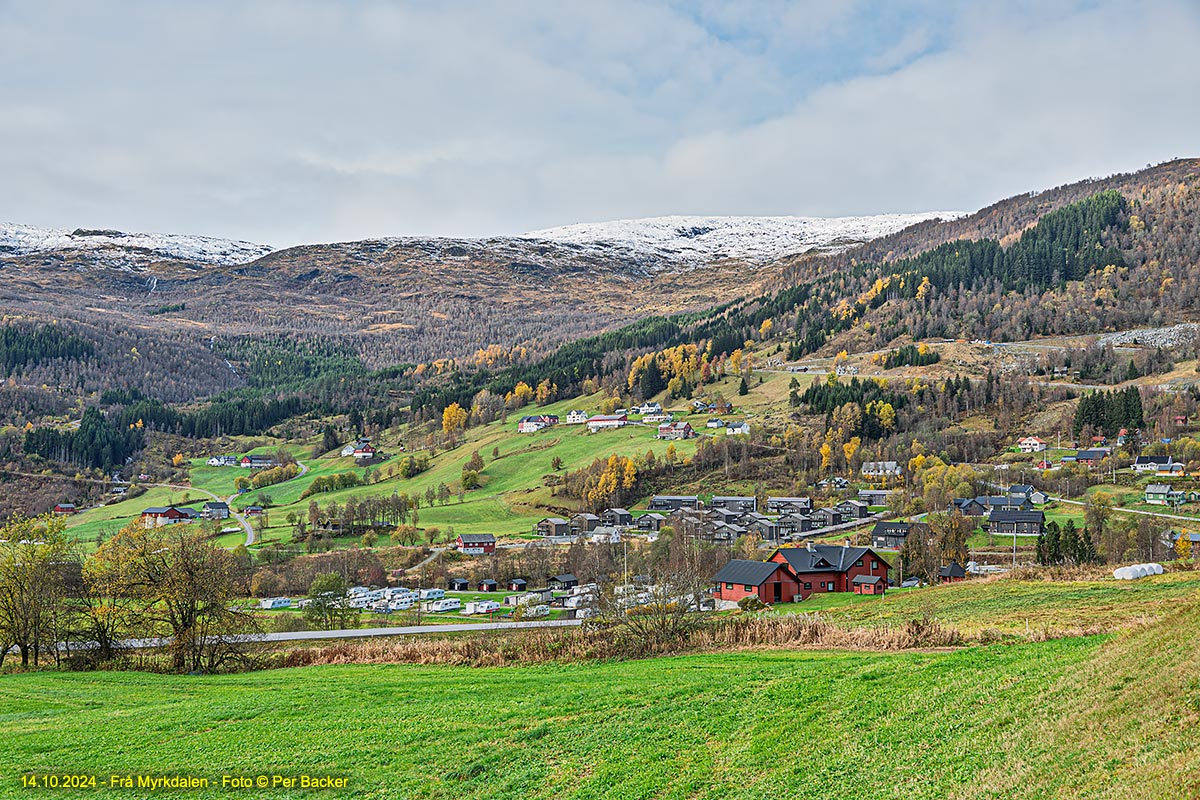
(361, 332)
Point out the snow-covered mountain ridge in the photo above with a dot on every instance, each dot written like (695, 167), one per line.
(645, 246)
(118, 249)
(756, 239)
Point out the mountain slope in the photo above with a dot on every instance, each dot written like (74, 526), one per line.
(753, 239)
(394, 300)
(123, 250)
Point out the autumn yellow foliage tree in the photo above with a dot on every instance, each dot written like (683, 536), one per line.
(1183, 547)
(520, 396)
(851, 447)
(454, 418)
(546, 392)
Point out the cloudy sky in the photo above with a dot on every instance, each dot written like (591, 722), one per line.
(287, 122)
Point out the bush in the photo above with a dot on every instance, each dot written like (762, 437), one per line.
(289, 623)
(751, 603)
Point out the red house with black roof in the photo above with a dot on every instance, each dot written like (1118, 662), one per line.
(830, 567)
(476, 543)
(769, 581)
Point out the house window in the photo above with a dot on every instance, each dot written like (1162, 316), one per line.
(749, 588)
(808, 587)
(858, 563)
(729, 586)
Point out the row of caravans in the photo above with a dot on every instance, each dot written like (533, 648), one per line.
(398, 598)
(385, 601)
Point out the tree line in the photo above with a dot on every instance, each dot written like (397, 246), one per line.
(172, 582)
(23, 346)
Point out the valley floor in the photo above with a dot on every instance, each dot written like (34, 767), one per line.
(1091, 716)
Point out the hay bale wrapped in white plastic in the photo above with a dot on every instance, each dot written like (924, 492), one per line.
(1135, 571)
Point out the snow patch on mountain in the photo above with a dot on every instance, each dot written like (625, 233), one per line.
(755, 239)
(126, 250)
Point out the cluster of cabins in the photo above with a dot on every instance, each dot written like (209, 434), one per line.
(721, 519)
(1013, 513)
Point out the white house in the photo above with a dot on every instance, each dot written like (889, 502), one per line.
(661, 416)
(647, 408)
(714, 422)
(223, 461)
(880, 469)
(1152, 464)
(536, 423)
(1031, 444)
(576, 417)
(1035, 496)
(738, 429)
(602, 421)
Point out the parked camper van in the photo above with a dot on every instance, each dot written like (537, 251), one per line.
(445, 604)
(275, 602)
(432, 594)
(481, 607)
(400, 603)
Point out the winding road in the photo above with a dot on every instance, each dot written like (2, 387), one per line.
(250, 537)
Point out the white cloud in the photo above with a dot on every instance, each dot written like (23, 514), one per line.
(301, 121)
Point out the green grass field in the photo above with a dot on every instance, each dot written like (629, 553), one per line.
(1066, 718)
(1019, 607)
(106, 520)
(511, 500)
(1093, 716)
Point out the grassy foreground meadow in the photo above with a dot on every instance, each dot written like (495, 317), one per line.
(1093, 716)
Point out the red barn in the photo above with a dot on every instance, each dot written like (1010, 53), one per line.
(830, 567)
(64, 509)
(769, 581)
